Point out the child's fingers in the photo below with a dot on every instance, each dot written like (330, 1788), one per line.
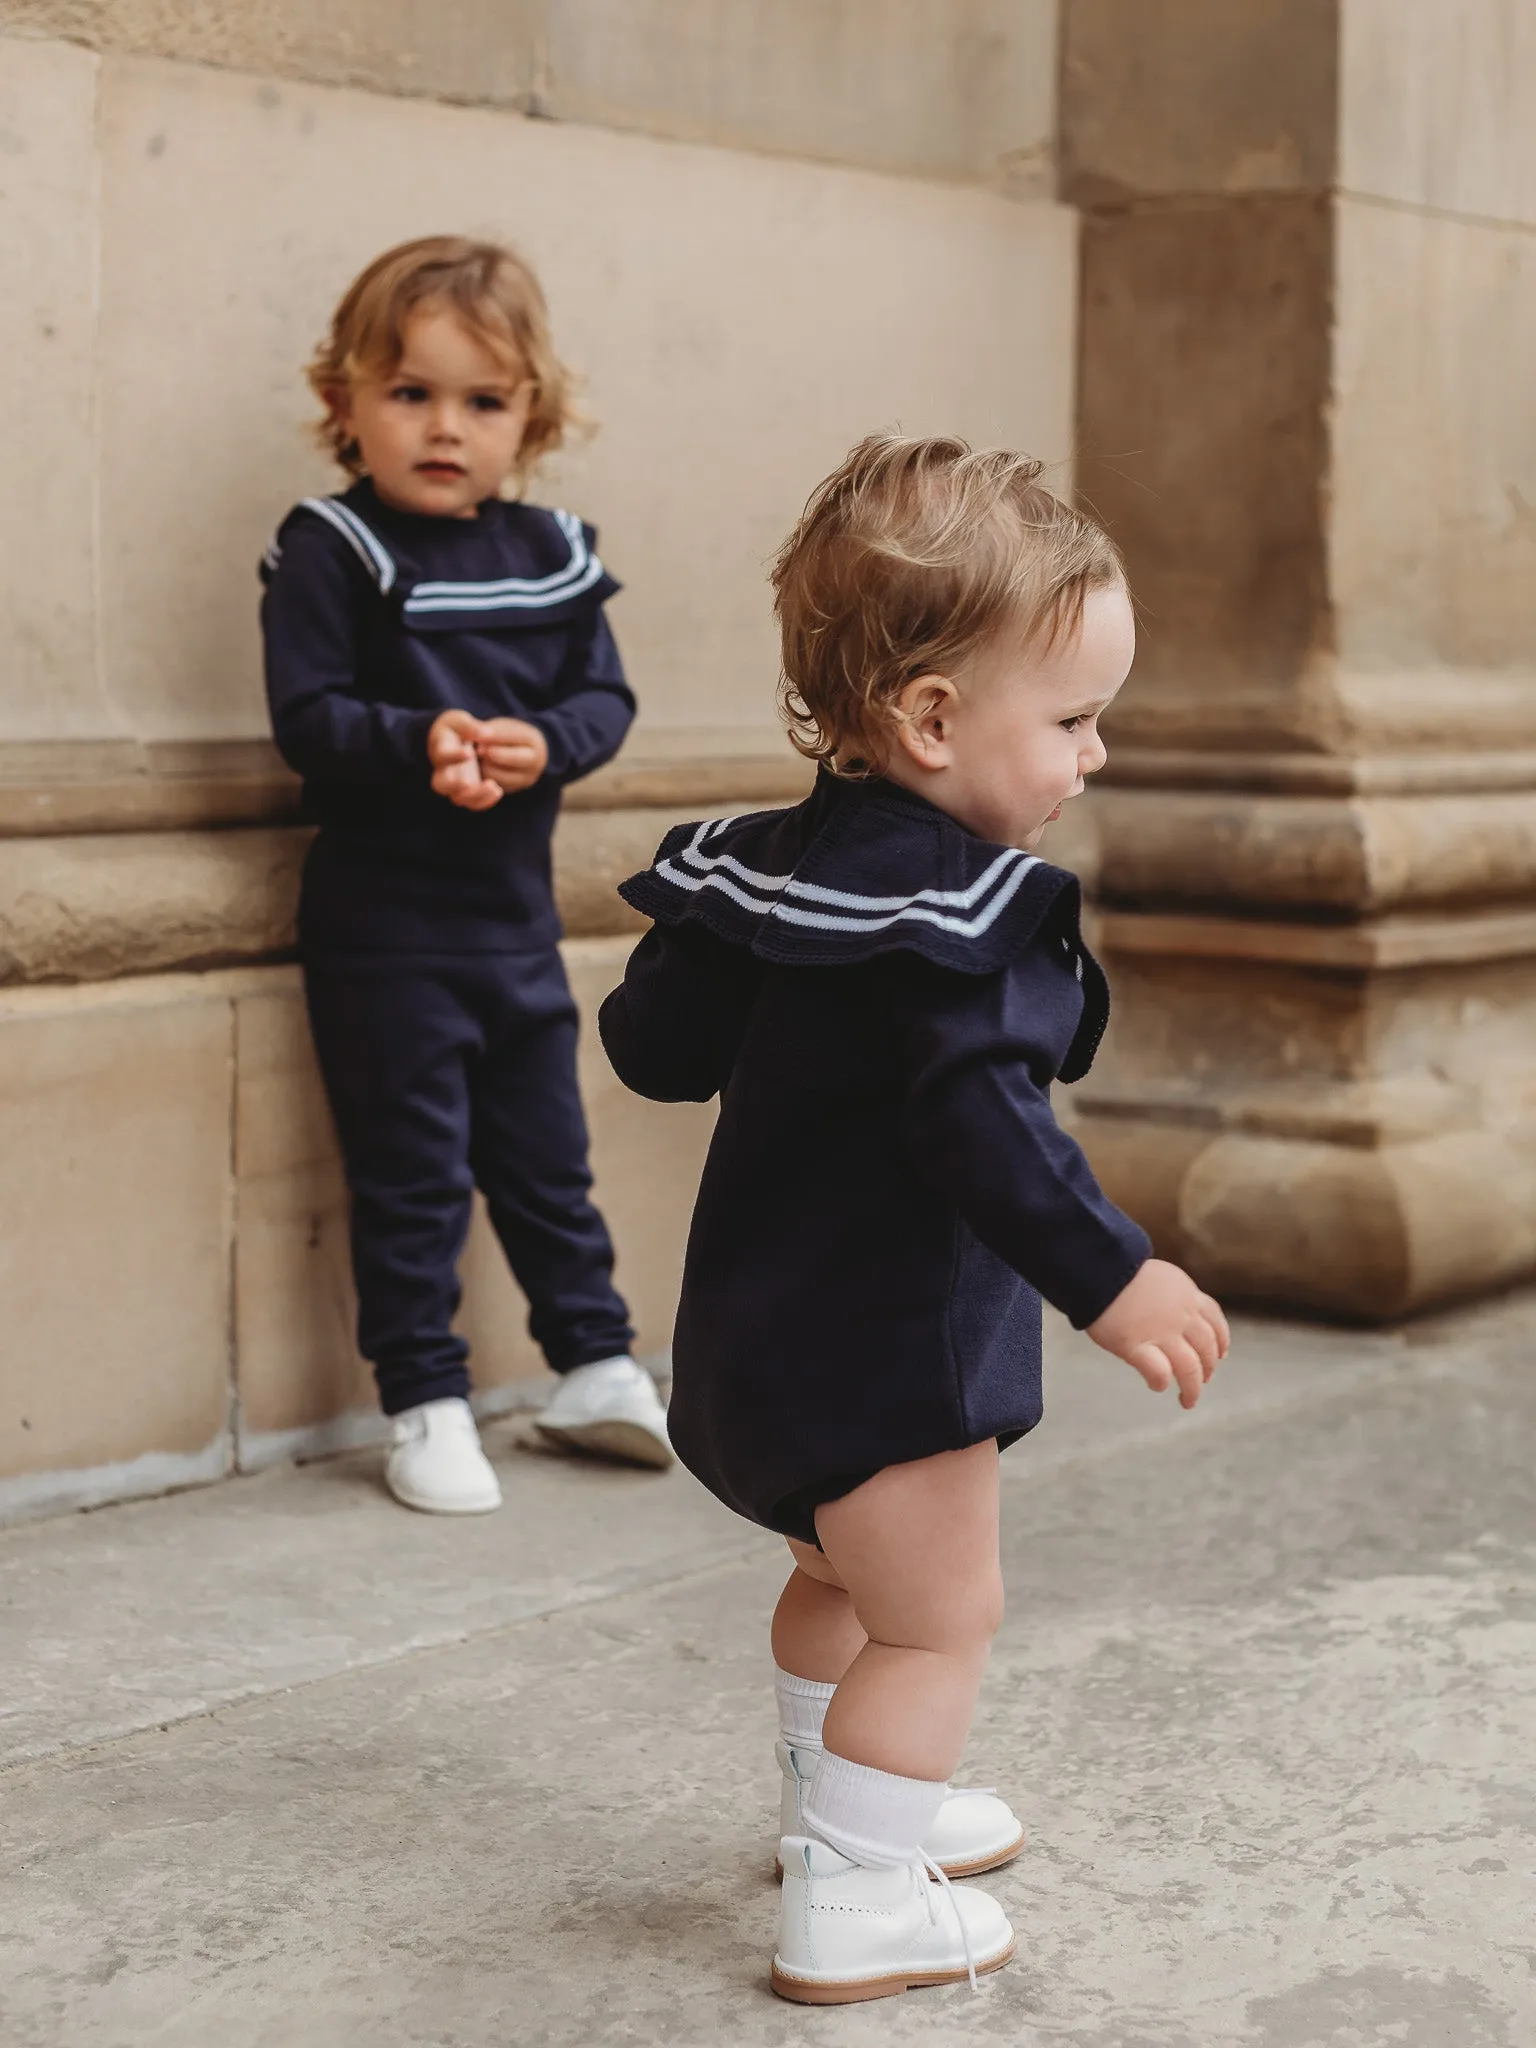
(1151, 1361)
(1215, 1315)
(514, 779)
(1220, 1345)
(453, 736)
(1188, 1369)
(1207, 1344)
(479, 797)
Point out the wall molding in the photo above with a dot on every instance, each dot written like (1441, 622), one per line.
(58, 788)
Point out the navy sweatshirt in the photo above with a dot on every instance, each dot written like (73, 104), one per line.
(881, 1000)
(376, 621)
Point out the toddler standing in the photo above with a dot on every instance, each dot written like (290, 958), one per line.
(439, 667)
(881, 984)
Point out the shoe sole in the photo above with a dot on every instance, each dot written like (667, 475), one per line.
(437, 1507)
(977, 1867)
(851, 1991)
(623, 1443)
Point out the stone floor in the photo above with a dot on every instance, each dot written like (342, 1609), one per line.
(282, 1766)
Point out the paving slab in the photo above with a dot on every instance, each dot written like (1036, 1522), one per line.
(1264, 1696)
(149, 1612)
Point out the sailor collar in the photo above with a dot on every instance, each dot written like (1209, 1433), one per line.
(567, 578)
(859, 869)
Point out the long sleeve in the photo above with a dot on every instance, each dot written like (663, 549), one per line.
(586, 725)
(674, 1026)
(309, 622)
(979, 1054)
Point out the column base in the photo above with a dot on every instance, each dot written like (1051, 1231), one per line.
(1364, 1235)
(1347, 1140)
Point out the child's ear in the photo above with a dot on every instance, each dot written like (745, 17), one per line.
(925, 710)
(337, 400)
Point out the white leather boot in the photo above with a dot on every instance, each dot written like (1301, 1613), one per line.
(609, 1410)
(848, 1933)
(973, 1831)
(435, 1462)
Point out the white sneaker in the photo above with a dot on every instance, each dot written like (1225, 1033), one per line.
(847, 1933)
(435, 1462)
(974, 1831)
(609, 1410)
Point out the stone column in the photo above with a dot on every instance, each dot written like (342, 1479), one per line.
(1307, 412)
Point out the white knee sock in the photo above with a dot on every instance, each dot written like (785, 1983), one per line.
(867, 1815)
(802, 1708)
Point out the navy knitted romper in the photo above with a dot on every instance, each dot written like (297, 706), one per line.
(881, 1001)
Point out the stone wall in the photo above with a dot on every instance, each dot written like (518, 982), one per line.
(764, 231)
(1304, 403)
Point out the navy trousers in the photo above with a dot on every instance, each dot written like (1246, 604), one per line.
(445, 1074)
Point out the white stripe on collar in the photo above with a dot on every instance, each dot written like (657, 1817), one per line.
(579, 573)
(531, 593)
(766, 894)
(363, 541)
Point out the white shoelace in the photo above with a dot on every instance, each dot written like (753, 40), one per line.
(937, 1870)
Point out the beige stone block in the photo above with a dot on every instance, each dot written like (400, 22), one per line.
(1360, 1144)
(93, 907)
(90, 908)
(98, 905)
(47, 331)
(1365, 855)
(62, 787)
(740, 319)
(1203, 423)
(1205, 1037)
(931, 88)
(1433, 539)
(1438, 104)
(1177, 97)
(468, 50)
(114, 1226)
(934, 88)
(1362, 1233)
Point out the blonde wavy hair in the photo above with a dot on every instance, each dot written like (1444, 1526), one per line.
(907, 561)
(499, 300)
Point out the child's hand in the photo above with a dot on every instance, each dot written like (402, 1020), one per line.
(456, 770)
(513, 753)
(1164, 1326)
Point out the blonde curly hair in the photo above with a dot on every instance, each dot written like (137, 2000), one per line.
(907, 560)
(496, 296)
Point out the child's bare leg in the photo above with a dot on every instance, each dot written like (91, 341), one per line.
(917, 1549)
(816, 1634)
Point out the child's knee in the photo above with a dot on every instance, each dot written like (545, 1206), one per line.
(949, 1619)
(978, 1612)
